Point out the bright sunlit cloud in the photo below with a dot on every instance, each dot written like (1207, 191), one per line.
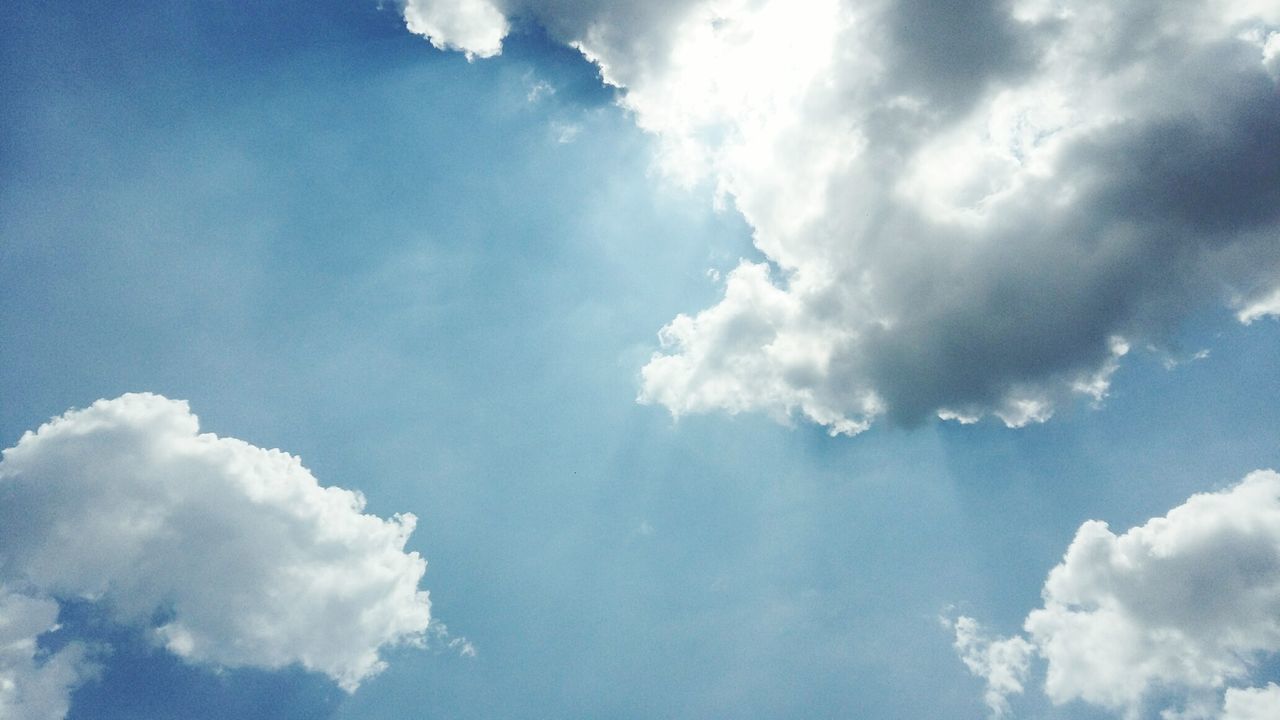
(1186, 604)
(229, 554)
(961, 209)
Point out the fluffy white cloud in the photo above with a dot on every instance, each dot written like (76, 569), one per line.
(1187, 603)
(475, 27)
(1252, 703)
(244, 556)
(964, 206)
(34, 685)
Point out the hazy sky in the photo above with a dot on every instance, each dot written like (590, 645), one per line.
(720, 358)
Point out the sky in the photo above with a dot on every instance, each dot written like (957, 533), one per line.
(685, 359)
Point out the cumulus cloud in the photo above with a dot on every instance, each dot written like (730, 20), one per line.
(231, 554)
(963, 207)
(35, 685)
(476, 27)
(1186, 604)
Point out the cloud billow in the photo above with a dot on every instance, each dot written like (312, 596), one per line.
(1184, 606)
(965, 210)
(230, 554)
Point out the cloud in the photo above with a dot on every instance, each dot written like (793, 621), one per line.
(1183, 605)
(565, 133)
(35, 685)
(1002, 663)
(962, 207)
(1271, 53)
(1252, 703)
(232, 554)
(476, 27)
(1265, 306)
(444, 641)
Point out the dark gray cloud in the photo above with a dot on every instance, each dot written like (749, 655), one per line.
(951, 51)
(1173, 210)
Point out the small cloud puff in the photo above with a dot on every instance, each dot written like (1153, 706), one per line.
(443, 640)
(539, 90)
(247, 557)
(476, 27)
(1002, 663)
(1267, 305)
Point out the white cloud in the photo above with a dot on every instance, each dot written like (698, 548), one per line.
(1185, 604)
(1265, 306)
(539, 90)
(246, 557)
(444, 641)
(35, 685)
(1172, 362)
(1252, 703)
(476, 27)
(1271, 54)
(961, 205)
(1002, 663)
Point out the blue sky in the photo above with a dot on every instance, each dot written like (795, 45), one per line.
(439, 285)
